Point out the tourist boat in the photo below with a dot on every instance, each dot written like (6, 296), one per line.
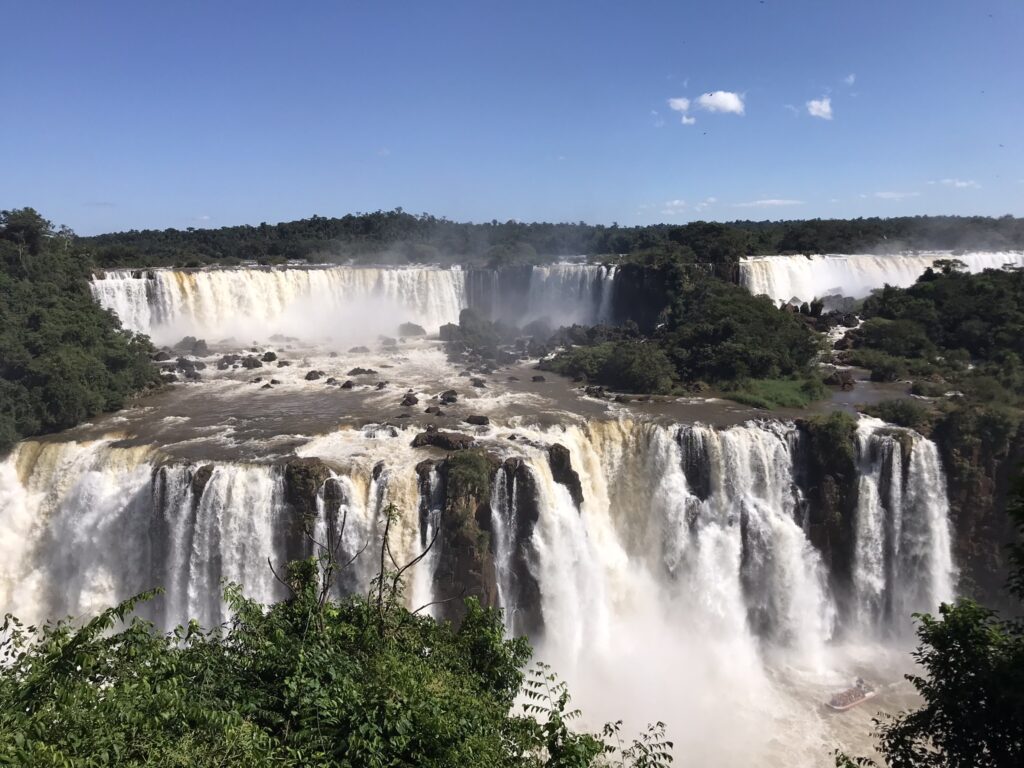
(851, 697)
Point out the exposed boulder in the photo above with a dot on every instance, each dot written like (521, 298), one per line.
(283, 363)
(433, 410)
(387, 341)
(448, 397)
(841, 378)
(478, 383)
(560, 461)
(348, 384)
(409, 400)
(411, 329)
(302, 480)
(477, 420)
(381, 384)
(314, 375)
(190, 345)
(227, 361)
(538, 379)
(266, 386)
(450, 332)
(357, 371)
(449, 441)
(200, 477)
(331, 380)
(168, 378)
(359, 350)
(269, 357)
(162, 356)
(251, 361)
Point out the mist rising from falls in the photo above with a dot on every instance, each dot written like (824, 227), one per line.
(809, 277)
(346, 304)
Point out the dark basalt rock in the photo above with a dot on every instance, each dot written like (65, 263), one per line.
(359, 350)
(200, 477)
(450, 332)
(409, 400)
(357, 371)
(168, 378)
(478, 383)
(314, 375)
(411, 329)
(269, 357)
(251, 362)
(348, 384)
(266, 386)
(331, 380)
(477, 420)
(190, 345)
(449, 441)
(560, 461)
(387, 341)
(274, 381)
(302, 479)
(381, 384)
(283, 363)
(538, 379)
(162, 356)
(192, 375)
(434, 410)
(449, 397)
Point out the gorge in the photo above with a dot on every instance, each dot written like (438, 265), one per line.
(716, 567)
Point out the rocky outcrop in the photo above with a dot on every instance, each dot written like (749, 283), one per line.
(560, 461)
(411, 329)
(303, 478)
(449, 441)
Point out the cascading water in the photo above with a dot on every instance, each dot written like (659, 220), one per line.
(308, 302)
(902, 553)
(571, 293)
(684, 581)
(808, 277)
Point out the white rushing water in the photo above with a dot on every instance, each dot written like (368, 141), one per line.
(808, 277)
(340, 303)
(344, 303)
(684, 588)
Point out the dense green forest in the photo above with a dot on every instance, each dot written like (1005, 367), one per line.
(62, 358)
(403, 237)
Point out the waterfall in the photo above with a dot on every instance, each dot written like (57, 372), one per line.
(346, 303)
(902, 544)
(571, 293)
(809, 277)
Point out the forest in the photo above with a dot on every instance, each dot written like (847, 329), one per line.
(400, 237)
(63, 359)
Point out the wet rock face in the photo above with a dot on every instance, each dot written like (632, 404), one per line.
(302, 480)
(200, 479)
(522, 502)
(560, 461)
(449, 441)
(478, 420)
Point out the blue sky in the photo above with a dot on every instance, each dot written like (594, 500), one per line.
(123, 115)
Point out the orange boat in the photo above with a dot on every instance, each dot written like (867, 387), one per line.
(851, 697)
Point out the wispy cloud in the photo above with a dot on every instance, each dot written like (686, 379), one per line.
(721, 101)
(656, 119)
(850, 79)
(706, 202)
(202, 217)
(957, 183)
(682, 105)
(820, 108)
(673, 207)
(771, 202)
(895, 195)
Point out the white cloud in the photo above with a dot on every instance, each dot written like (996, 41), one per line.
(820, 108)
(204, 217)
(673, 207)
(850, 79)
(895, 195)
(958, 183)
(705, 203)
(772, 202)
(721, 101)
(687, 120)
(679, 104)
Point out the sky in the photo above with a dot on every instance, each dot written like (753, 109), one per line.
(131, 115)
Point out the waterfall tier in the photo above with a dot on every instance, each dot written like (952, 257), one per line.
(808, 277)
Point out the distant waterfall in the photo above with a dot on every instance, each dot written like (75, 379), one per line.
(902, 555)
(808, 277)
(571, 293)
(308, 302)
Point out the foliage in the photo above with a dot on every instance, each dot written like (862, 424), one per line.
(903, 412)
(628, 366)
(308, 681)
(832, 444)
(403, 237)
(62, 358)
(777, 393)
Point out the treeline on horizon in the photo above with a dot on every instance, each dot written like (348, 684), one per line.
(401, 237)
